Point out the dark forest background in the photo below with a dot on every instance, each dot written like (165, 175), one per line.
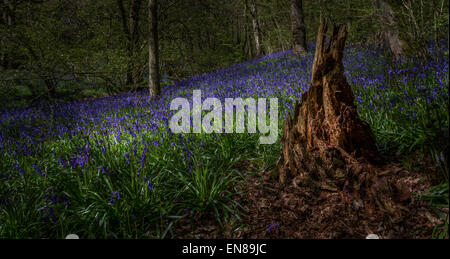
(87, 48)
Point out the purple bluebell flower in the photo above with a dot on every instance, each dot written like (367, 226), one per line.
(38, 170)
(272, 226)
(115, 196)
(18, 168)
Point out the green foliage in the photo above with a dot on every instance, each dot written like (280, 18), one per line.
(16, 91)
(93, 93)
(400, 127)
(153, 195)
(438, 197)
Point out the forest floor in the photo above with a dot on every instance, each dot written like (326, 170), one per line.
(276, 211)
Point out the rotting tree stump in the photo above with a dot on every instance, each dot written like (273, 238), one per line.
(326, 147)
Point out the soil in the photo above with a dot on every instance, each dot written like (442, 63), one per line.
(279, 211)
(276, 211)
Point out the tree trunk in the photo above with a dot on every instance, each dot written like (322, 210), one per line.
(247, 45)
(238, 28)
(51, 87)
(389, 27)
(280, 38)
(9, 20)
(298, 28)
(256, 29)
(130, 29)
(135, 8)
(325, 145)
(153, 58)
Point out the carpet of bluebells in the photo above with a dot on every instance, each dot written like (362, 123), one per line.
(111, 168)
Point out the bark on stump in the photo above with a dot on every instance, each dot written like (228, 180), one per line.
(325, 145)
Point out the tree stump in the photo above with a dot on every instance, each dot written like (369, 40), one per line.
(325, 145)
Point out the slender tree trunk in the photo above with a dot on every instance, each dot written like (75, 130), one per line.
(130, 29)
(8, 19)
(256, 28)
(126, 31)
(247, 46)
(389, 27)
(238, 28)
(280, 38)
(298, 28)
(153, 57)
(51, 86)
(135, 7)
(437, 14)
